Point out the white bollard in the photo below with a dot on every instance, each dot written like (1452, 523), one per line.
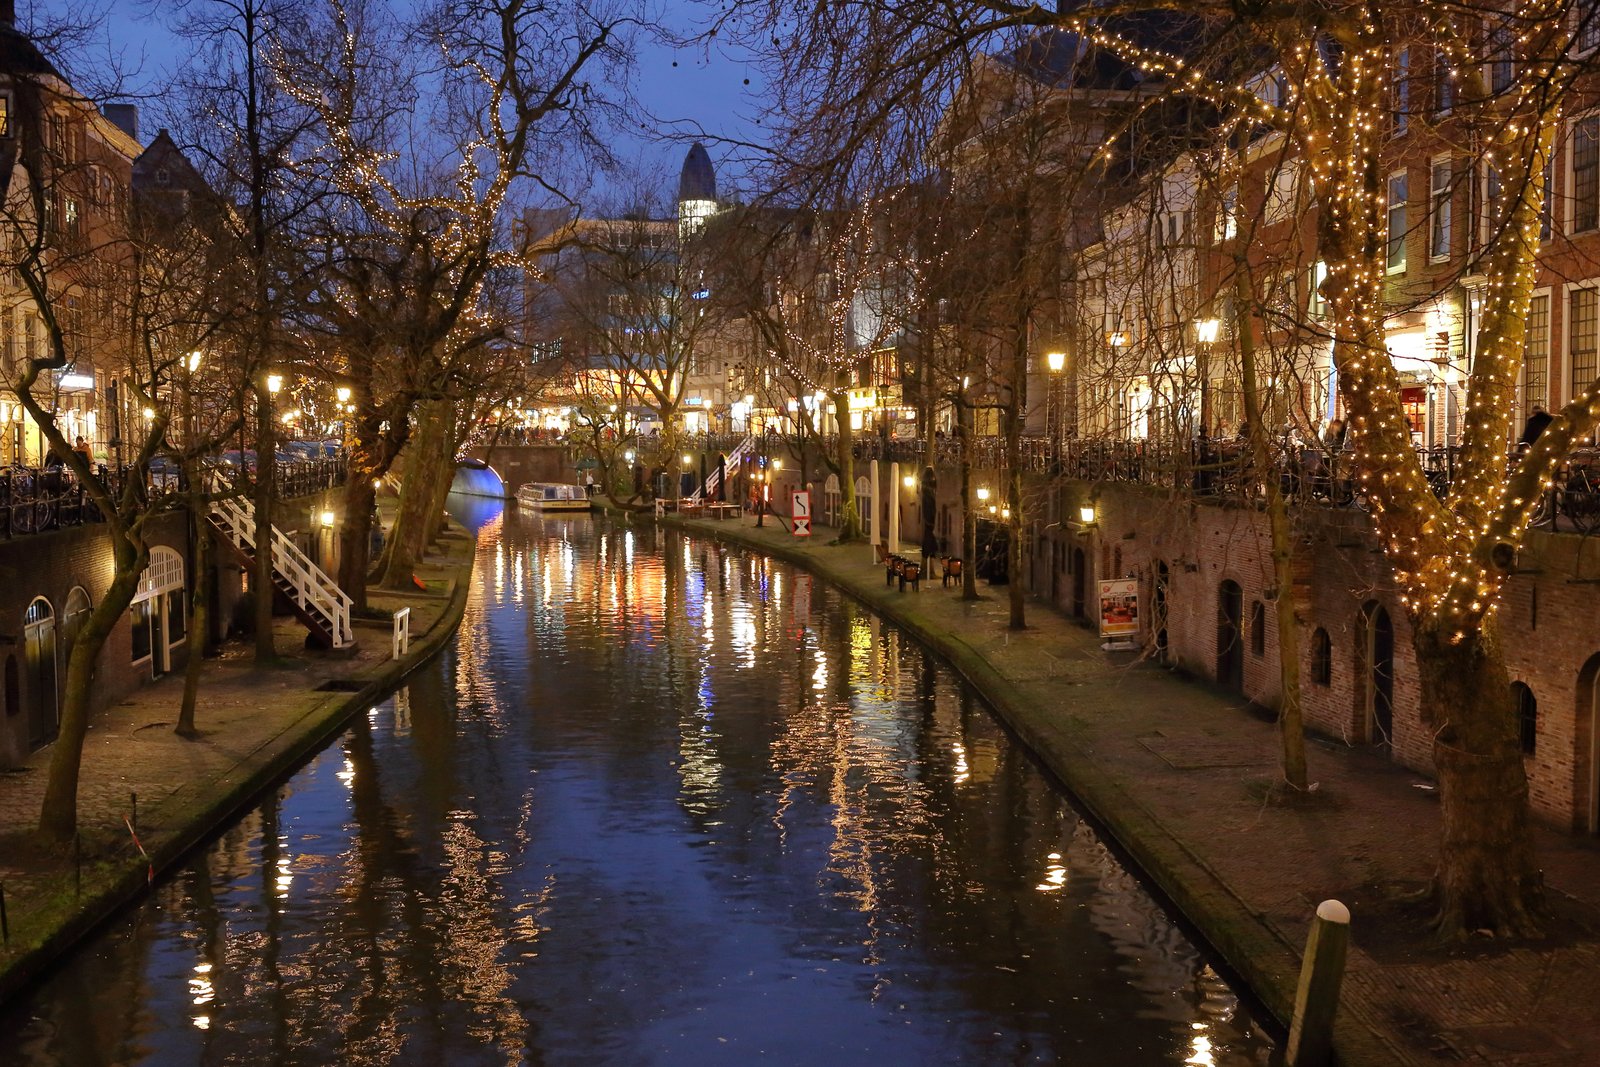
(870, 515)
(1316, 1001)
(893, 497)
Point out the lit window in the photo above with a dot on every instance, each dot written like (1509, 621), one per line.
(1317, 305)
(1280, 191)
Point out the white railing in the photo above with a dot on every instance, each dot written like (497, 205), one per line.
(400, 643)
(705, 488)
(310, 588)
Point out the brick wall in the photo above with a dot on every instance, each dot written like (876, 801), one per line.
(1341, 583)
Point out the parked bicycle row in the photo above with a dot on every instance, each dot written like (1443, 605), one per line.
(35, 499)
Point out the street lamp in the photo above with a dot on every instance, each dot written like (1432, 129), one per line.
(1057, 362)
(274, 383)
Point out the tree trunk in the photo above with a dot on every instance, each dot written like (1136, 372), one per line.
(58, 817)
(969, 519)
(849, 508)
(413, 524)
(1290, 729)
(1487, 878)
(355, 537)
(261, 573)
(199, 612)
(1016, 587)
(447, 475)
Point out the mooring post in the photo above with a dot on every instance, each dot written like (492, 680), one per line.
(1316, 1001)
(5, 922)
(133, 813)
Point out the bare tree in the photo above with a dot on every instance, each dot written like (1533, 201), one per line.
(1493, 97)
(512, 91)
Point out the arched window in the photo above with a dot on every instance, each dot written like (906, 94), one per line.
(74, 614)
(1258, 628)
(1321, 657)
(157, 612)
(1527, 716)
(38, 611)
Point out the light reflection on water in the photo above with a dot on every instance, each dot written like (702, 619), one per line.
(663, 803)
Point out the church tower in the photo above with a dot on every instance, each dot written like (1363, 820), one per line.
(697, 191)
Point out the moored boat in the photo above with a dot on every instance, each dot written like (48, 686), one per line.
(552, 496)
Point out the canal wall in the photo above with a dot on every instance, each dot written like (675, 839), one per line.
(1180, 775)
(258, 725)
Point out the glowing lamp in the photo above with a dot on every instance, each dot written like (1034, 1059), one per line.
(327, 520)
(1086, 513)
(1057, 361)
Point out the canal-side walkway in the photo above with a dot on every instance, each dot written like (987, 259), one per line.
(256, 724)
(1181, 775)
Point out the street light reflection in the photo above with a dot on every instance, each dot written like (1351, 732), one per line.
(1055, 874)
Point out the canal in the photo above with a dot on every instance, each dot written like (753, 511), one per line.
(663, 802)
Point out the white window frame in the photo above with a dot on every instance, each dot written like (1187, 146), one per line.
(1226, 227)
(1500, 45)
(1488, 206)
(1592, 120)
(1549, 293)
(1316, 304)
(1585, 27)
(1282, 181)
(1391, 266)
(1558, 399)
(1441, 216)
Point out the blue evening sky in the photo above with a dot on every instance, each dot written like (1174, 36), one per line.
(685, 90)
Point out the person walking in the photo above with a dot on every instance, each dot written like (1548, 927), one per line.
(1537, 421)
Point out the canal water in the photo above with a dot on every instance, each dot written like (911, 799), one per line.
(663, 802)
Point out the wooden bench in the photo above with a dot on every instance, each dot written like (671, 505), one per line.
(720, 510)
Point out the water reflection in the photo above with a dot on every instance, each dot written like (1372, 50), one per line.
(663, 802)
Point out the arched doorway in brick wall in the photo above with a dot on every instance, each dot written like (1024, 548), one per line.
(1158, 606)
(1230, 635)
(1375, 669)
(39, 654)
(1588, 719)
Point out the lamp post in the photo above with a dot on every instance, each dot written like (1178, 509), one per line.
(1205, 332)
(761, 491)
(1057, 362)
